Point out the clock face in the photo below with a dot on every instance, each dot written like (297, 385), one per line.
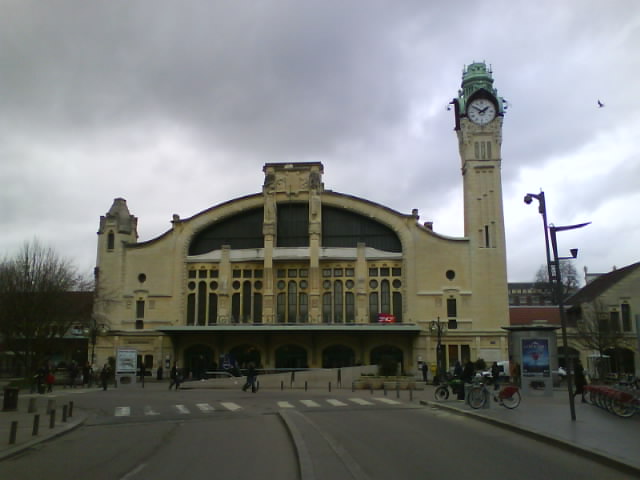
(481, 111)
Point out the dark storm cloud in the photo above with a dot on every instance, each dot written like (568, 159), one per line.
(177, 105)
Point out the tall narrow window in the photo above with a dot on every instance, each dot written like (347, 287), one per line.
(373, 307)
(246, 302)
(191, 309)
(452, 308)
(257, 308)
(487, 240)
(111, 241)
(326, 308)
(281, 307)
(202, 302)
(385, 298)
(337, 301)
(304, 308)
(397, 306)
(626, 317)
(140, 309)
(350, 306)
(235, 307)
(292, 302)
(615, 321)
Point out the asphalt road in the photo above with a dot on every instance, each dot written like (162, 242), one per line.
(134, 434)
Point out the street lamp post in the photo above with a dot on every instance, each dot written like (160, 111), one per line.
(439, 327)
(542, 209)
(563, 315)
(555, 282)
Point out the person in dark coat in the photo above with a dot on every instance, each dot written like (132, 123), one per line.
(252, 375)
(425, 371)
(466, 377)
(104, 376)
(495, 375)
(580, 379)
(174, 375)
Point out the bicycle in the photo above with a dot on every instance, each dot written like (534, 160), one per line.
(441, 392)
(508, 396)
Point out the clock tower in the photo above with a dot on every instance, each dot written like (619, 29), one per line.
(479, 113)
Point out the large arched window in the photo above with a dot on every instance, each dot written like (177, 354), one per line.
(239, 231)
(345, 228)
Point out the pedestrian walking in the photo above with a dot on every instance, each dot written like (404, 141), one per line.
(50, 380)
(514, 371)
(175, 376)
(252, 375)
(466, 377)
(495, 375)
(104, 376)
(425, 371)
(580, 379)
(87, 373)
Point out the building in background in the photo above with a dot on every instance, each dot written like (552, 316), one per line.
(298, 275)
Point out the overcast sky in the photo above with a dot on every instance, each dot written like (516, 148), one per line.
(177, 105)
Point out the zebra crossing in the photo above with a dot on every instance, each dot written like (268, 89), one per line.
(207, 408)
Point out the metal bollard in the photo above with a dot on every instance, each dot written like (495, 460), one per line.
(51, 405)
(64, 413)
(305, 386)
(281, 384)
(32, 405)
(13, 433)
(371, 388)
(384, 387)
(329, 386)
(397, 389)
(410, 393)
(52, 419)
(353, 386)
(36, 425)
(70, 409)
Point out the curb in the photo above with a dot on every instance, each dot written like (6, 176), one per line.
(10, 452)
(543, 437)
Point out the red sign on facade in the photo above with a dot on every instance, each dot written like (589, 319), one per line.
(386, 318)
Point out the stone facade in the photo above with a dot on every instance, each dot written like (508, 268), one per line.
(298, 275)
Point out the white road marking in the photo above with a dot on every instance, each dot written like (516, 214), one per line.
(285, 405)
(182, 409)
(387, 400)
(231, 406)
(205, 407)
(336, 403)
(310, 403)
(361, 401)
(122, 411)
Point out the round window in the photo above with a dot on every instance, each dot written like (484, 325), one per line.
(236, 285)
(349, 284)
(373, 284)
(397, 283)
(451, 274)
(258, 285)
(192, 285)
(142, 278)
(326, 284)
(303, 284)
(213, 285)
(281, 284)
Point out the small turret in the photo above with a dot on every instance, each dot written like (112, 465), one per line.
(119, 219)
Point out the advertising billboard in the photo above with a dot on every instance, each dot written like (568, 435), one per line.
(535, 357)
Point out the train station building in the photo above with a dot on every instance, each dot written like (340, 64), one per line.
(300, 276)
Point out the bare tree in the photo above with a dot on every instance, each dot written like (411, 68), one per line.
(568, 276)
(596, 331)
(36, 307)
